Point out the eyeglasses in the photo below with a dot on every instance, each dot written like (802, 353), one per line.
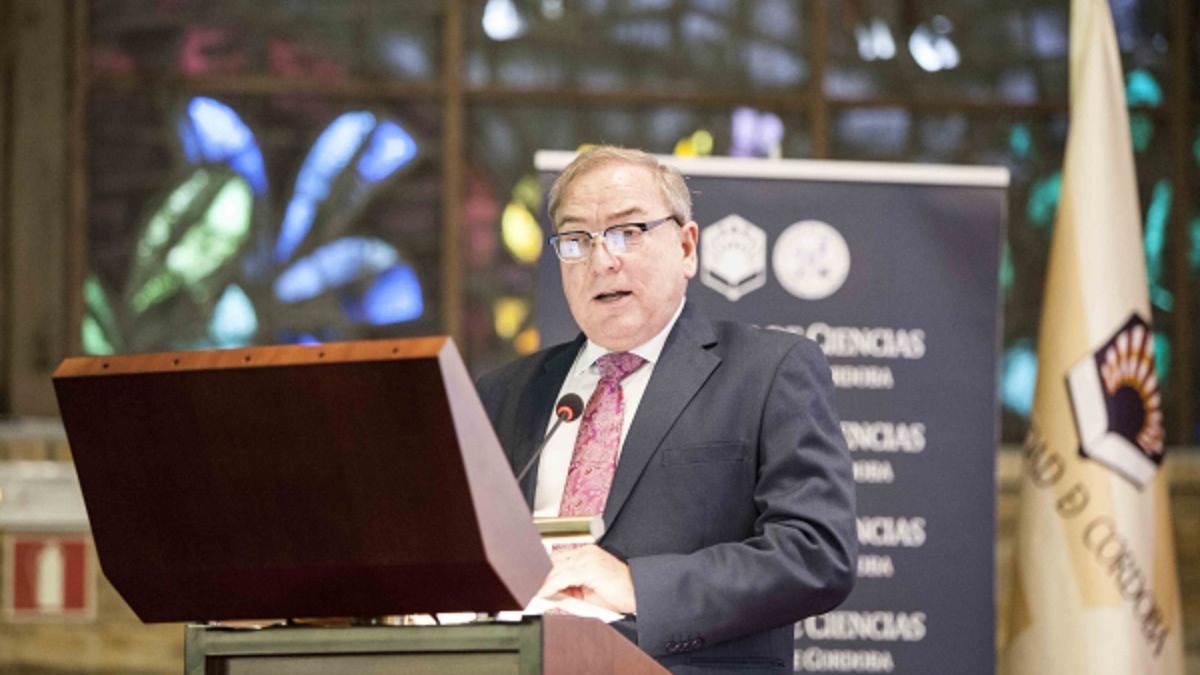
(576, 245)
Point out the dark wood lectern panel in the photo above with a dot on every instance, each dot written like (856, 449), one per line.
(348, 479)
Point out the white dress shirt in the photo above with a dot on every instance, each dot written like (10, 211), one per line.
(582, 379)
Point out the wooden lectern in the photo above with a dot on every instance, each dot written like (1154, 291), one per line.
(353, 479)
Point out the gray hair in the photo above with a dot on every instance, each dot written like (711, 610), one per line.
(671, 184)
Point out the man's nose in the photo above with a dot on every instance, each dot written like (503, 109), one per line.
(603, 260)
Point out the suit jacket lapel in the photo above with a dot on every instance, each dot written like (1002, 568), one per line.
(682, 368)
(539, 398)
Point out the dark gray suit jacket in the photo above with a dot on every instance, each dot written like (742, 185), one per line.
(733, 500)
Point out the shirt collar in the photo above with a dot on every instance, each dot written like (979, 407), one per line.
(650, 349)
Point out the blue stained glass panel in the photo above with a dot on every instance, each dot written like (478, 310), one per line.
(333, 265)
(212, 132)
(1156, 229)
(1018, 377)
(391, 147)
(234, 321)
(395, 297)
(333, 150)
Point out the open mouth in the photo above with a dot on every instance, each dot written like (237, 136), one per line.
(611, 296)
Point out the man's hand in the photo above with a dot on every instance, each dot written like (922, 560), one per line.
(593, 575)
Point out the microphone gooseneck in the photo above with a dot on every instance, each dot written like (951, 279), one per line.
(566, 410)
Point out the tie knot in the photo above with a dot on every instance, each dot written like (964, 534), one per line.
(617, 365)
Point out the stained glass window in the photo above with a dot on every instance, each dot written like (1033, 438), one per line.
(267, 173)
(260, 220)
(330, 41)
(611, 45)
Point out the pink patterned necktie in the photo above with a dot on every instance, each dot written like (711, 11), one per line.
(595, 458)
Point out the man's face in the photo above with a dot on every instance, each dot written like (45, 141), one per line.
(621, 301)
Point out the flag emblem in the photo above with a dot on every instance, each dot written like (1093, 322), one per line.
(1116, 402)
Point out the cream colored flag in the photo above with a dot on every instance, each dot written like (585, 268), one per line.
(1095, 589)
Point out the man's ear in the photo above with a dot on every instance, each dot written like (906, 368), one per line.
(689, 236)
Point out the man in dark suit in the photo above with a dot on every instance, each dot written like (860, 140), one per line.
(712, 451)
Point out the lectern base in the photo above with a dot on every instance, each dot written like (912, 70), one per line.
(554, 644)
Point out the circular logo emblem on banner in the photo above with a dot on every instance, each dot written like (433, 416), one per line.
(811, 260)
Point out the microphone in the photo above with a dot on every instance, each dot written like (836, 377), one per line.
(566, 410)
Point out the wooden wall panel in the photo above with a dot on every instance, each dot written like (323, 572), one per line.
(6, 54)
(37, 204)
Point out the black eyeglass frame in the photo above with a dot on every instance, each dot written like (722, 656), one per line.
(603, 234)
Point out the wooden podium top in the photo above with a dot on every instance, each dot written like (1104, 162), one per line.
(346, 479)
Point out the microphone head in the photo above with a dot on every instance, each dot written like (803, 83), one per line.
(568, 407)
